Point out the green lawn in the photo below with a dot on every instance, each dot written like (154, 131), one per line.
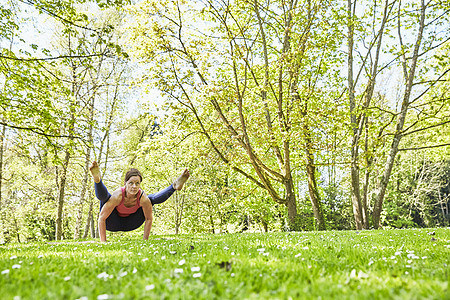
(385, 264)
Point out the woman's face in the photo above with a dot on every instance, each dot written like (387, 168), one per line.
(133, 184)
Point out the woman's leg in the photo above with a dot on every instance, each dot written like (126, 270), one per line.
(133, 221)
(101, 192)
(161, 196)
(114, 221)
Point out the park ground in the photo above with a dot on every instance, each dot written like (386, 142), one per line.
(381, 264)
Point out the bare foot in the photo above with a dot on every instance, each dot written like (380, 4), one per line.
(179, 182)
(95, 171)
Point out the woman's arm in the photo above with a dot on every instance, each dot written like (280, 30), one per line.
(148, 213)
(104, 214)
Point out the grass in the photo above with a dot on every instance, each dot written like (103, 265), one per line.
(387, 264)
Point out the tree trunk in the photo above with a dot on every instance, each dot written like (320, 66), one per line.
(211, 219)
(401, 119)
(311, 173)
(83, 195)
(2, 153)
(356, 195)
(355, 191)
(314, 195)
(369, 161)
(89, 218)
(84, 187)
(358, 119)
(62, 185)
(94, 227)
(291, 204)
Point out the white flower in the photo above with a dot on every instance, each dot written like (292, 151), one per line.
(134, 270)
(305, 248)
(145, 259)
(225, 248)
(297, 255)
(103, 297)
(232, 274)
(67, 278)
(163, 257)
(196, 275)
(5, 272)
(104, 275)
(16, 266)
(181, 262)
(178, 271)
(149, 287)
(361, 274)
(13, 257)
(261, 250)
(123, 273)
(195, 269)
(173, 252)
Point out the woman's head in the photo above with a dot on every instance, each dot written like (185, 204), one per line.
(133, 180)
(132, 172)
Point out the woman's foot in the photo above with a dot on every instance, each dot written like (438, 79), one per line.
(179, 182)
(95, 171)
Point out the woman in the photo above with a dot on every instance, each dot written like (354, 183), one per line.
(128, 207)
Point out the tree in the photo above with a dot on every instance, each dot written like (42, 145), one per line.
(380, 51)
(43, 87)
(410, 54)
(250, 65)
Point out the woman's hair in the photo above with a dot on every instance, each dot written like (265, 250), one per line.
(132, 172)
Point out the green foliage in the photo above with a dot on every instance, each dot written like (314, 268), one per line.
(337, 210)
(39, 227)
(419, 194)
(45, 103)
(406, 264)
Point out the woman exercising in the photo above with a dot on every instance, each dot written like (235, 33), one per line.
(129, 206)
